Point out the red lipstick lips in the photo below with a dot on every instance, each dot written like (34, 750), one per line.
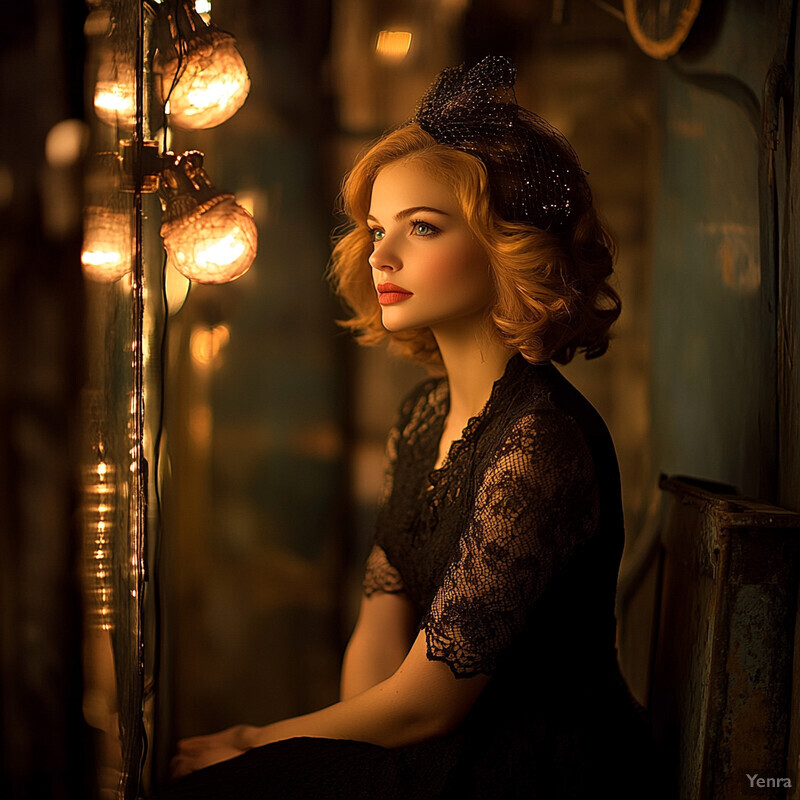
(388, 294)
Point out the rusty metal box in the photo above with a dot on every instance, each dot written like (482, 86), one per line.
(721, 664)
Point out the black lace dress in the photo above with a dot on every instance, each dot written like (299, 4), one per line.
(510, 553)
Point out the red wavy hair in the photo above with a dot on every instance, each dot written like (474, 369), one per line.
(552, 295)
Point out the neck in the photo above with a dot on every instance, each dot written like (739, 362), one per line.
(474, 358)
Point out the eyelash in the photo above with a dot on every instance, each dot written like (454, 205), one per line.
(373, 232)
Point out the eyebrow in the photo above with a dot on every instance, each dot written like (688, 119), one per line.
(408, 212)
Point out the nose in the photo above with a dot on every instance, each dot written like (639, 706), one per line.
(384, 258)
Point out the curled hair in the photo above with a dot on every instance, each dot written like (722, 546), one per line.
(552, 296)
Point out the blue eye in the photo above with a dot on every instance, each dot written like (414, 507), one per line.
(423, 228)
(376, 234)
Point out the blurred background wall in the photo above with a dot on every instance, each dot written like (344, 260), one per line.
(270, 423)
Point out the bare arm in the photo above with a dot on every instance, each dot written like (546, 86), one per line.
(420, 700)
(382, 637)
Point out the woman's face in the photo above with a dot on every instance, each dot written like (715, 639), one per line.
(428, 268)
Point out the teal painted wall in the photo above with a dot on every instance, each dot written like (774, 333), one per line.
(714, 287)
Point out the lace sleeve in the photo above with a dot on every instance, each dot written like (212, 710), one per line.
(534, 505)
(380, 575)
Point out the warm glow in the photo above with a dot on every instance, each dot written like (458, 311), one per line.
(201, 424)
(106, 254)
(254, 201)
(99, 510)
(112, 100)
(206, 344)
(222, 253)
(64, 143)
(393, 45)
(215, 246)
(115, 93)
(100, 259)
(211, 87)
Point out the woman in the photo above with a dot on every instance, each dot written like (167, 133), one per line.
(483, 661)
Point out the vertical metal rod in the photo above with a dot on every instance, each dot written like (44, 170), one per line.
(139, 483)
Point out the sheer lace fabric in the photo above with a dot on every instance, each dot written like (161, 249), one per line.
(476, 543)
(509, 553)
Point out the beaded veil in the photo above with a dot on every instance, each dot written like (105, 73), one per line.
(534, 173)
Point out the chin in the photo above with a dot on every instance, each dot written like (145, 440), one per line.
(397, 328)
(395, 324)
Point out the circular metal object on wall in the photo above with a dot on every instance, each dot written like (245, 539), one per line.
(660, 27)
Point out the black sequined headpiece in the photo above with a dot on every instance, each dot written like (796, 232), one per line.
(534, 173)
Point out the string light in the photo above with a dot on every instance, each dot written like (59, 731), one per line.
(204, 79)
(209, 237)
(99, 509)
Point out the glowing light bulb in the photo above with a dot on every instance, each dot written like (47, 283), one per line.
(115, 92)
(208, 236)
(216, 245)
(203, 76)
(209, 89)
(106, 253)
(221, 252)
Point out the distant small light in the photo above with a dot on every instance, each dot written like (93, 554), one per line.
(98, 22)
(393, 45)
(64, 143)
(206, 343)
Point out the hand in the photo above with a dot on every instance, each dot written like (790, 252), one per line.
(203, 751)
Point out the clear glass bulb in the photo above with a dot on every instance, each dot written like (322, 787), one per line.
(216, 244)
